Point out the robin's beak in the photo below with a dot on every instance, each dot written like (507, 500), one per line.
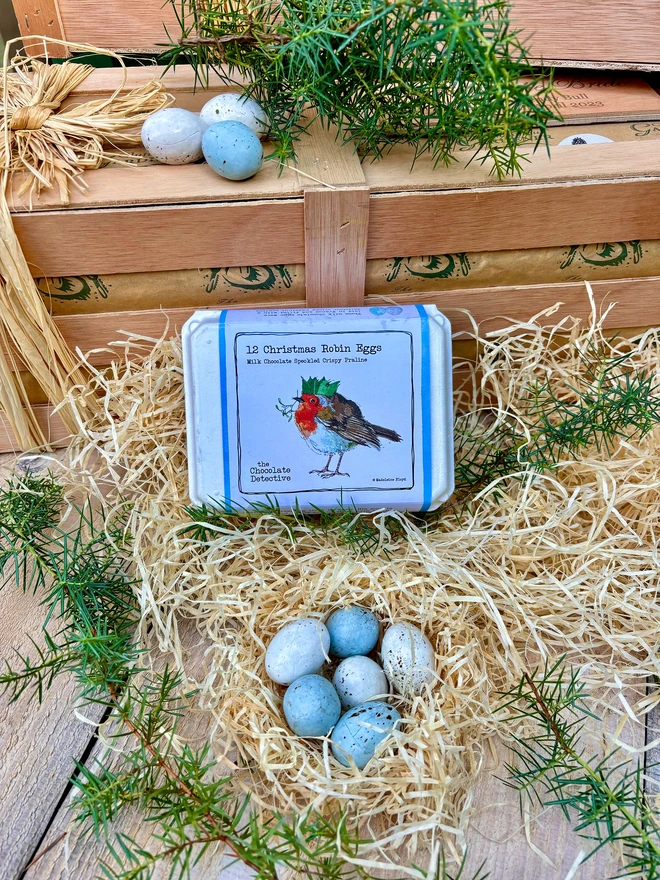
(299, 399)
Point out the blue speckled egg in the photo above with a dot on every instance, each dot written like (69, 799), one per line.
(173, 136)
(353, 631)
(232, 150)
(311, 706)
(360, 731)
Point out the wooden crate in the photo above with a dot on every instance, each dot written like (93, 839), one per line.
(332, 213)
(584, 33)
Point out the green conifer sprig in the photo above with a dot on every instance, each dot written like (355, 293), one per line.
(602, 796)
(609, 400)
(350, 527)
(441, 75)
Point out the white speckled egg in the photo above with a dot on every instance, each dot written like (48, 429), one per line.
(358, 679)
(232, 107)
(173, 136)
(408, 658)
(361, 730)
(299, 648)
(585, 138)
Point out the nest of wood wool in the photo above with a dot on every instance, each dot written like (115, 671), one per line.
(533, 565)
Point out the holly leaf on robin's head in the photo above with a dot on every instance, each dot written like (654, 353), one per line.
(322, 387)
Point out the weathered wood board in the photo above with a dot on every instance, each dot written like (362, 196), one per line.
(38, 744)
(593, 33)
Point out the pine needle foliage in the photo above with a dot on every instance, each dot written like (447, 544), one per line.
(441, 75)
(77, 559)
(609, 401)
(363, 532)
(602, 796)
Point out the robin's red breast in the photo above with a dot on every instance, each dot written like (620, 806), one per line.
(332, 424)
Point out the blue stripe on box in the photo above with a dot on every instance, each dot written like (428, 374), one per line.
(427, 458)
(223, 409)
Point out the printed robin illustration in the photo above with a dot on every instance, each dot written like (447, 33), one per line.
(332, 424)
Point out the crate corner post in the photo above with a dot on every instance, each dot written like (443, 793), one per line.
(41, 18)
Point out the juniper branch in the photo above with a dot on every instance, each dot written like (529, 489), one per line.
(602, 796)
(609, 401)
(440, 75)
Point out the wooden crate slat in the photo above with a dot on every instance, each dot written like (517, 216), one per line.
(511, 218)
(170, 184)
(162, 184)
(604, 97)
(50, 422)
(587, 32)
(40, 18)
(104, 81)
(336, 228)
(322, 156)
(620, 160)
(120, 24)
(336, 219)
(638, 301)
(591, 30)
(106, 241)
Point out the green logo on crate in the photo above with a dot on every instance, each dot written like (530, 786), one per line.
(80, 288)
(438, 266)
(607, 254)
(250, 278)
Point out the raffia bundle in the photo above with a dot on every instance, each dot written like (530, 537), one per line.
(564, 562)
(52, 145)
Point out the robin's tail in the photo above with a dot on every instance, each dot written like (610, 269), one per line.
(386, 434)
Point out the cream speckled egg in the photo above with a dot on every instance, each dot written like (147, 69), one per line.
(173, 136)
(358, 679)
(408, 658)
(232, 107)
(299, 648)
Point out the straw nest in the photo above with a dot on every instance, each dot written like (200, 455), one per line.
(563, 562)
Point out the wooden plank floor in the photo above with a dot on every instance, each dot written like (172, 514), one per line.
(38, 746)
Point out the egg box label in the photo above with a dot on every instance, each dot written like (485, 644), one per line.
(319, 407)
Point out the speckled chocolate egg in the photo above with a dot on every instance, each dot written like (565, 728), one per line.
(408, 658)
(311, 706)
(232, 150)
(236, 108)
(299, 648)
(358, 679)
(173, 136)
(359, 732)
(353, 630)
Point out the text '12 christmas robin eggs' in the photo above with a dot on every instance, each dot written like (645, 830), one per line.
(299, 648)
(311, 706)
(232, 150)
